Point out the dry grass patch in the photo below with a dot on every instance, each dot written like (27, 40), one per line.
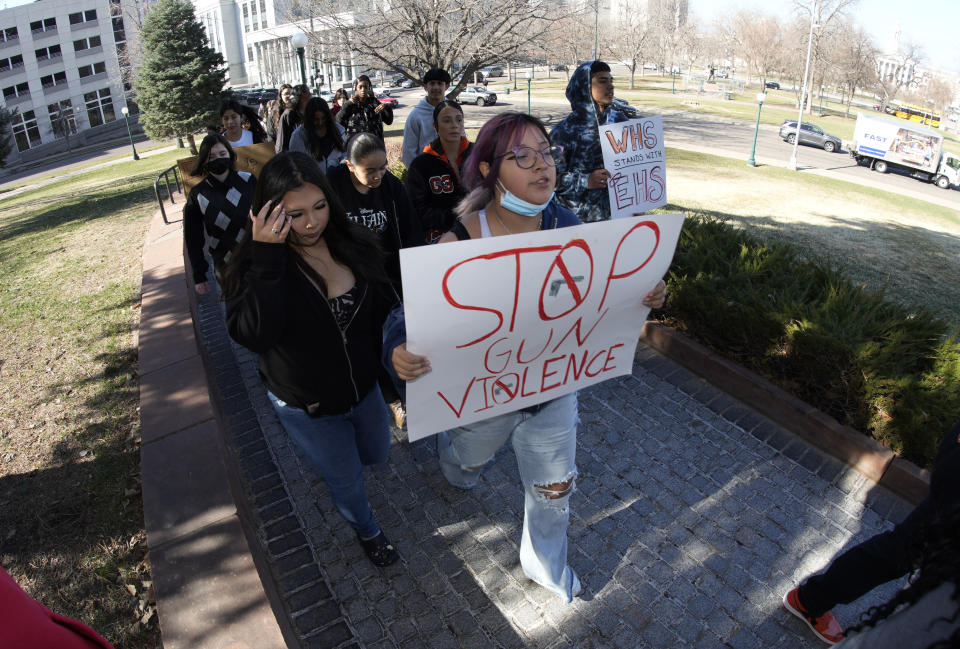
(69, 393)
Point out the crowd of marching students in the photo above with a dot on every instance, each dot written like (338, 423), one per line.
(307, 257)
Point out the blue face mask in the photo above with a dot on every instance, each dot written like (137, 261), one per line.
(509, 201)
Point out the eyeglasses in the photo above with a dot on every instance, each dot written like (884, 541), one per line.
(526, 156)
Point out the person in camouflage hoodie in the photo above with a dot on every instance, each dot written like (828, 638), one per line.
(581, 178)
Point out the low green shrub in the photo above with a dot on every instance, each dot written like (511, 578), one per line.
(889, 370)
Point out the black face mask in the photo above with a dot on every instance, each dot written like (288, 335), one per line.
(218, 166)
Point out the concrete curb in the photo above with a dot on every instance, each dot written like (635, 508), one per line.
(209, 592)
(826, 433)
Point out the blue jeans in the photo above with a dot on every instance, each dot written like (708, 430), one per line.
(545, 444)
(339, 446)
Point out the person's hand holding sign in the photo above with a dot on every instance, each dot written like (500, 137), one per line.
(655, 298)
(408, 365)
(267, 228)
(598, 179)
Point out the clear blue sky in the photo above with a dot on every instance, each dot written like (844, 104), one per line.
(933, 25)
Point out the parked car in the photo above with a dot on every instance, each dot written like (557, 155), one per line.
(773, 85)
(492, 71)
(326, 96)
(810, 134)
(387, 99)
(477, 95)
(559, 67)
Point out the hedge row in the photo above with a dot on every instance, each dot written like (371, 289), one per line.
(887, 369)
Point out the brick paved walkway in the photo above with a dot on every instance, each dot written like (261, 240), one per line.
(692, 516)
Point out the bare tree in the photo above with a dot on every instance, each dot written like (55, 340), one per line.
(564, 49)
(691, 47)
(896, 70)
(632, 34)
(412, 36)
(826, 16)
(760, 42)
(855, 56)
(666, 18)
(940, 93)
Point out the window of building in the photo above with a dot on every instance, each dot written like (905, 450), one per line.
(47, 53)
(119, 34)
(88, 70)
(25, 130)
(99, 107)
(11, 63)
(9, 34)
(246, 17)
(249, 52)
(86, 43)
(83, 16)
(62, 119)
(53, 80)
(45, 25)
(19, 90)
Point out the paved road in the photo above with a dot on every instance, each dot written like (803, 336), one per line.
(720, 136)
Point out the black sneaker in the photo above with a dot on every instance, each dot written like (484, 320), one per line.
(380, 551)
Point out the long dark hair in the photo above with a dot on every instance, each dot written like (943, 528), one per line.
(497, 136)
(247, 114)
(350, 244)
(206, 144)
(938, 563)
(320, 147)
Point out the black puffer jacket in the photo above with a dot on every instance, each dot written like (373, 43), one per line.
(304, 357)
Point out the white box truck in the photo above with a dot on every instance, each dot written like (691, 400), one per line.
(886, 143)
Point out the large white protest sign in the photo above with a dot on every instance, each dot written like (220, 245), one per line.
(633, 154)
(512, 321)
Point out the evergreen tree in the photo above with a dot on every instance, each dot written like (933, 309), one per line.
(180, 78)
(6, 139)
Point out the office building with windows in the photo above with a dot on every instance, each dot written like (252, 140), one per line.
(253, 36)
(60, 70)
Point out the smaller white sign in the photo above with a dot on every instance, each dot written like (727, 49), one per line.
(633, 153)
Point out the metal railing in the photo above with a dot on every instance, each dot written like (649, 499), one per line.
(166, 179)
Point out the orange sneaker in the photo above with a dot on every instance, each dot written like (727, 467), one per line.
(824, 627)
(399, 414)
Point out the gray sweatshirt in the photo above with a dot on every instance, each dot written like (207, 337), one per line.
(418, 132)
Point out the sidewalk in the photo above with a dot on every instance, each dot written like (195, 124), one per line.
(692, 516)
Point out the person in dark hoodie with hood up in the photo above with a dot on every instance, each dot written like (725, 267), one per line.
(435, 177)
(581, 178)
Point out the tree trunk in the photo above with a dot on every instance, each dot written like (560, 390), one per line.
(179, 142)
(193, 144)
(633, 72)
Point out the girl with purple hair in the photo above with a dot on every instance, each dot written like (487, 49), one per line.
(512, 174)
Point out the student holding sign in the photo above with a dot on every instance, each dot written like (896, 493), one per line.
(512, 176)
(582, 179)
(307, 291)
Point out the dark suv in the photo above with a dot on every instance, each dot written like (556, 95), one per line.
(773, 85)
(809, 134)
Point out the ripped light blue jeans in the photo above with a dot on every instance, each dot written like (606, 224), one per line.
(545, 444)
